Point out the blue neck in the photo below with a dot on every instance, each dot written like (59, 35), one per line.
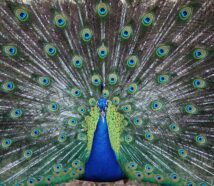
(102, 164)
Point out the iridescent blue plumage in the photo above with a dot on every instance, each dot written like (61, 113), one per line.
(102, 164)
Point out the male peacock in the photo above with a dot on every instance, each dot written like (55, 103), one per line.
(106, 90)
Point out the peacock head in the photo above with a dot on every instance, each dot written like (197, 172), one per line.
(102, 104)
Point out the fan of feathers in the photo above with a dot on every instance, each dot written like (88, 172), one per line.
(148, 62)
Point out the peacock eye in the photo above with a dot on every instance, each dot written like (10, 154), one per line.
(6, 143)
(57, 167)
(77, 61)
(132, 88)
(132, 165)
(138, 121)
(126, 32)
(190, 109)
(102, 10)
(86, 35)
(53, 107)
(162, 51)
(49, 178)
(174, 127)
(22, 15)
(76, 92)
(62, 137)
(199, 53)
(200, 139)
(115, 100)
(73, 174)
(132, 61)
(96, 80)
(190, 183)
(36, 132)
(147, 19)
(156, 105)
(60, 21)
(185, 13)
(8, 86)
(128, 138)
(182, 153)
(76, 163)
(105, 93)
(112, 79)
(81, 110)
(31, 181)
(149, 136)
(102, 51)
(10, 50)
(126, 108)
(199, 83)
(44, 81)
(163, 79)
(16, 113)
(50, 50)
(72, 122)
(148, 168)
(28, 154)
(158, 178)
(65, 170)
(174, 177)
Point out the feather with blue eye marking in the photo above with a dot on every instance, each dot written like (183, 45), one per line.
(6, 143)
(28, 153)
(185, 13)
(22, 14)
(36, 132)
(60, 20)
(16, 113)
(113, 78)
(50, 50)
(71, 122)
(10, 50)
(148, 19)
(190, 109)
(126, 32)
(132, 62)
(163, 78)
(77, 61)
(102, 52)
(44, 81)
(62, 137)
(53, 107)
(162, 51)
(102, 10)
(199, 54)
(156, 105)
(8, 86)
(86, 35)
(105, 91)
(199, 83)
(96, 80)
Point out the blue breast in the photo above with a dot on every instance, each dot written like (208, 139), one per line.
(102, 164)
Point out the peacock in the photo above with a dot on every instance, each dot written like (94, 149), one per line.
(106, 90)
